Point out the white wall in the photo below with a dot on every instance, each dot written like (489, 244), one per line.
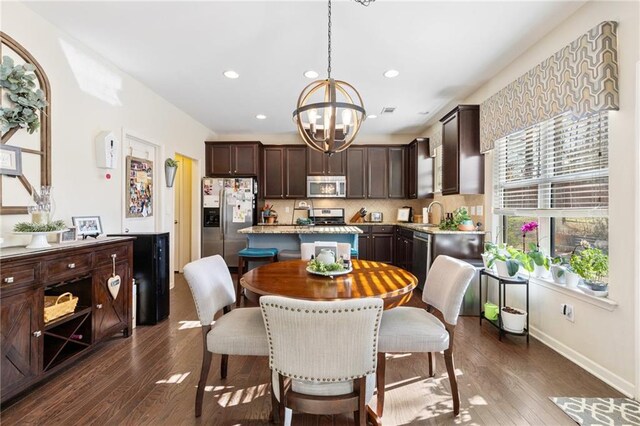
(88, 95)
(602, 341)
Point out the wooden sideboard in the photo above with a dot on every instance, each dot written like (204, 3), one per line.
(30, 349)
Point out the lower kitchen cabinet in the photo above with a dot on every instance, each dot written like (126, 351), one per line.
(376, 243)
(382, 248)
(404, 248)
(32, 350)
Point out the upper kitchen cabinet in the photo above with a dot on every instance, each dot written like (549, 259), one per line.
(419, 169)
(462, 163)
(397, 172)
(320, 164)
(284, 171)
(356, 172)
(232, 158)
(377, 172)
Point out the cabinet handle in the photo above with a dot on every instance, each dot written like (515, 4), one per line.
(113, 256)
(71, 266)
(37, 333)
(99, 306)
(8, 280)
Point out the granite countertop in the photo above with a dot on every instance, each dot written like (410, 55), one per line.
(21, 251)
(292, 229)
(421, 227)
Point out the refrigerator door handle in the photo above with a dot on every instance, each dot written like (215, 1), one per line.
(223, 205)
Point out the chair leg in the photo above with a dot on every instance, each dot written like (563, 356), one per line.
(224, 361)
(204, 373)
(380, 372)
(238, 286)
(360, 416)
(432, 364)
(448, 360)
(275, 406)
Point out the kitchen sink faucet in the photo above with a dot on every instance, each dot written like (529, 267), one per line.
(441, 209)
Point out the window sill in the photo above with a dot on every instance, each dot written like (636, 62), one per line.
(601, 302)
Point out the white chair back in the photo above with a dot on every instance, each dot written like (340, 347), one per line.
(447, 281)
(308, 249)
(211, 286)
(322, 341)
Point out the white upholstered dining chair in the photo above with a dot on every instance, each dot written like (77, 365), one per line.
(408, 329)
(308, 249)
(236, 332)
(322, 355)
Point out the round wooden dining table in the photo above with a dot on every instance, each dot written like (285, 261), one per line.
(368, 279)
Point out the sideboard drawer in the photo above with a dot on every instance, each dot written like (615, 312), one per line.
(67, 267)
(103, 257)
(24, 274)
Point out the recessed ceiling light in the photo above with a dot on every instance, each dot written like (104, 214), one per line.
(231, 74)
(391, 73)
(261, 117)
(372, 116)
(311, 74)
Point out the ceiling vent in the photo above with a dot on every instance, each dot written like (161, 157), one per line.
(388, 110)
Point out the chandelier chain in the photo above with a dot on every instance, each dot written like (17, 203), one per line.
(329, 43)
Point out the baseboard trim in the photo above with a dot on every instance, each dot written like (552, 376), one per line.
(597, 370)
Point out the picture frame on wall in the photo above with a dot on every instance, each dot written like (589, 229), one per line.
(68, 236)
(139, 188)
(10, 160)
(87, 226)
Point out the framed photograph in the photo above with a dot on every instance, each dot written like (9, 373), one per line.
(10, 160)
(403, 214)
(68, 236)
(139, 187)
(87, 225)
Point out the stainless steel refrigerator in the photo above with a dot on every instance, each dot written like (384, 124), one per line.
(228, 204)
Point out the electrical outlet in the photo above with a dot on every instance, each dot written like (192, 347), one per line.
(479, 210)
(287, 210)
(567, 311)
(472, 212)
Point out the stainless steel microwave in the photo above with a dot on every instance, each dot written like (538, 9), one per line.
(326, 187)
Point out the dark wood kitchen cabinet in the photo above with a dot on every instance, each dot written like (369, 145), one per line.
(397, 172)
(364, 246)
(232, 158)
(33, 350)
(462, 162)
(377, 172)
(321, 164)
(284, 172)
(420, 169)
(404, 248)
(376, 243)
(356, 172)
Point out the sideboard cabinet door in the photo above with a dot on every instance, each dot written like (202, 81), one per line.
(110, 315)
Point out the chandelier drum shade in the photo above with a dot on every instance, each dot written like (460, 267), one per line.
(329, 115)
(329, 112)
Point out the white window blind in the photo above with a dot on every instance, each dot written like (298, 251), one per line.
(559, 167)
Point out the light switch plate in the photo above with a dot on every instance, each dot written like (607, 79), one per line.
(472, 212)
(479, 210)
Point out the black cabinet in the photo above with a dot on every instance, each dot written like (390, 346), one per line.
(321, 164)
(376, 243)
(284, 172)
(151, 272)
(397, 172)
(377, 172)
(462, 162)
(404, 248)
(273, 171)
(232, 158)
(357, 172)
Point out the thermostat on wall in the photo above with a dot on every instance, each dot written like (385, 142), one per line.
(107, 148)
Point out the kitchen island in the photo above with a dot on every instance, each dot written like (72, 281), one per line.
(289, 237)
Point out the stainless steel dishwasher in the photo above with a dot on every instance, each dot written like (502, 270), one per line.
(463, 246)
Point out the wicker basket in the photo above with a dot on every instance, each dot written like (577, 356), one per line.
(55, 308)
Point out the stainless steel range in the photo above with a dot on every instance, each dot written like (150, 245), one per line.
(327, 216)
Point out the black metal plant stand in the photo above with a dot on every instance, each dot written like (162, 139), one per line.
(502, 295)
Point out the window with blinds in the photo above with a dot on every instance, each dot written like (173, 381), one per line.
(559, 167)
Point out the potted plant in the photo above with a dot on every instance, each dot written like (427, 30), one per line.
(592, 265)
(508, 261)
(540, 261)
(170, 168)
(513, 319)
(459, 220)
(559, 268)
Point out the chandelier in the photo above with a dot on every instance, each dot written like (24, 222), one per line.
(329, 112)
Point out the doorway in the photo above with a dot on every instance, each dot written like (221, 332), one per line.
(183, 212)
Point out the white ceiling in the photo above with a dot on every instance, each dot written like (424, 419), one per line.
(443, 50)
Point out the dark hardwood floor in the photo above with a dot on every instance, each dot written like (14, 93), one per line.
(150, 379)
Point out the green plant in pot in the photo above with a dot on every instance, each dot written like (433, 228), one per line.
(170, 168)
(559, 268)
(539, 259)
(592, 265)
(458, 221)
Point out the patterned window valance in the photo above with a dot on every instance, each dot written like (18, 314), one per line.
(581, 78)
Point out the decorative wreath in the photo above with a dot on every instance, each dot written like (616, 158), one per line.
(19, 81)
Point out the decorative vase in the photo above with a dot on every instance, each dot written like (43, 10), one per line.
(170, 175)
(513, 322)
(539, 271)
(573, 279)
(326, 256)
(559, 274)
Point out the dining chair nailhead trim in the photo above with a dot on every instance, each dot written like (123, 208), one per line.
(326, 311)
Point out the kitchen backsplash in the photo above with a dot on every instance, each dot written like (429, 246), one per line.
(389, 208)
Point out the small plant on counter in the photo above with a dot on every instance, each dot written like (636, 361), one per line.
(57, 225)
(591, 264)
(457, 218)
